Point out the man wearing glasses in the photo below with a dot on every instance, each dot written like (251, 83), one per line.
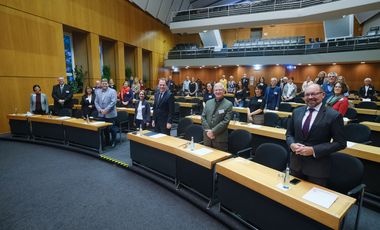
(313, 133)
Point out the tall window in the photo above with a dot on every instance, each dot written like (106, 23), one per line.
(69, 56)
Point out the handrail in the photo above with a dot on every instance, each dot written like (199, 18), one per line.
(349, 44)
(244, 8)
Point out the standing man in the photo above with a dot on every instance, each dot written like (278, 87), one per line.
(328, 87)
(186, 85)
(105, 103)
(223, 80)
(367, 90)
(273, 95)
(171, 84)
(310, 131)
(245, 81)
(62, 95)
(215, 118)
(163, 109)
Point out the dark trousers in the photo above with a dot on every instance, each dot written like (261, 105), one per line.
(140, 122)
(160, 127)
(315, 180)
(221, 145)
(112, 129)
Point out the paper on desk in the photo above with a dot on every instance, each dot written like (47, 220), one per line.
(158, 135)
(350, 144)
(320, 197)
(201, 151)
(62, 118)
(254, 126)
(97, 122)
(271, 111)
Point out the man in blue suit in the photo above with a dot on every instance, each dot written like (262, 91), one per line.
(314, 132)
(163, 109)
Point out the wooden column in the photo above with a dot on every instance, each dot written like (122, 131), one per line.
(138, 62)
(93, 54)
(119, 64)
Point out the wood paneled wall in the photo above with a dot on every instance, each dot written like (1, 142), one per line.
(31, 43)
(353, 73)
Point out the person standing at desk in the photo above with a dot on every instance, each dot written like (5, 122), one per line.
(126, 95)
(88, 102)
(105, 103)
(163, 108)
(328, 87)
(193, 88)
(273, 95)
(62, 95)
(185, 86)
(256, 107)
(38, 101)
(142, 111)
(215, 118)
(171, 84)
(310, 131)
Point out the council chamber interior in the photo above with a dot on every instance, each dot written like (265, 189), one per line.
(61, 168)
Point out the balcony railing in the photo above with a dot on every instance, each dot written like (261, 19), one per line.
(338, 45)
(244, 8)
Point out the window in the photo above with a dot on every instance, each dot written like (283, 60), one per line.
(69, 56)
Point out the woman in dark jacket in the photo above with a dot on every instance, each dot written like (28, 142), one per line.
(142, 112)
(88, 102)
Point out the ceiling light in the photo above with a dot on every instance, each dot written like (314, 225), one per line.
(237, 65)
(299, 63)
(363, 62)
(334, 63)
(277, 64)
(309, 64)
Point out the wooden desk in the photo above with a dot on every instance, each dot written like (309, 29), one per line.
(48, 127)
(374, 126)
(188, 97)
(355, 102)
(19, 124)
(250, 190)
(168, 156)
(281, 114)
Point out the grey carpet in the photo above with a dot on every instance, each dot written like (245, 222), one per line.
(47, 188)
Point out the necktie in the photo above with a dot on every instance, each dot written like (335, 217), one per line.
(160, 98)
(306, 124)
(61, 88)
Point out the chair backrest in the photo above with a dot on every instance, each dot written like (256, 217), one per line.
(122, 116)
(195, 131)
(238, 140)
(377, 119)
(74, 101)
(284, 122)
(298, 100)
(65, 112)
(271, 119)
(272, 155)
(183, 124)
(77, 113)
(286, 107)
(351, 114)
(367, 105)
(94, 113)
(357, 132)
(346, 172)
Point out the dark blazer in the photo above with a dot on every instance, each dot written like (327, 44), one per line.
(85, 103)
(370, 93)
(67, 95)
(163, 110)
(145, 111)
(327, 125)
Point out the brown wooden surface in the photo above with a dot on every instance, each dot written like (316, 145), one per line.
(21, 117)
(82, 124)
(48, 119)
(264, 181)
(176, 146)
(374, 126)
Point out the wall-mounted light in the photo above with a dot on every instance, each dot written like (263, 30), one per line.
(257, 67)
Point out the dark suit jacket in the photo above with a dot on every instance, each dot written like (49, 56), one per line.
(85, 103)
(370, 93)
(327, 125)
(163, 110)
(66, 95)
(145, 111)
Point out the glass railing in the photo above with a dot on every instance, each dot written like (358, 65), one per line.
(338, 45)
(244, 8)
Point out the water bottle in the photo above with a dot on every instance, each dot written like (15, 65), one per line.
(191, 111)
(286, 177)
(140, 130)
(49, 114)
(87, 119)
(192, 144)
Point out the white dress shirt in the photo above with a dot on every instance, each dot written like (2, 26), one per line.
(313, 116)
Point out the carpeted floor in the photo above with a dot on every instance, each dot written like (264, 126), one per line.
(47, 188)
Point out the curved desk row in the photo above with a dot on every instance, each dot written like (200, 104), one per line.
(65, 130)
(245, 188)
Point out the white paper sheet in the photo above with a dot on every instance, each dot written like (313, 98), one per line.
(97, 122)
(320, 197)
(62, 118)
(350, 144)
(158, 135)
(255, 126)
(202, 151)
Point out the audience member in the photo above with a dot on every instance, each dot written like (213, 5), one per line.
(142, 112)
(272, 95)
(290, 90)
(313, 133)
(341, 79)
(62, 95)
(193, 88)
(256, 106)
(223, 80)
(240, 95)
(136, 86)
(338, 100)
(245, 81)
(283, 81)
(97, 87)
(262, 83)
(231, 85)
(126, 95)
(88, 102)
(321, 78)
(367, 90)
(215, 118)
(112, 84)
(328, 88)
(38, 101)
(163, 109)
(105, 103)
(209, 94)
(171, 84)
(186, 85)
(306, 83)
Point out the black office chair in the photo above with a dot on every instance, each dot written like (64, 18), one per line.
(346, 177)
(299, 100)
(351, 114)
(271, 119)
(195, 131)
(239, 143)
(74, 101)
(367, 105)
(271, 155)
(122, 122)
(176, 116)
(284, 122)
(357, 133)
(377, 119)
(77, 113)
(65, 112)
(285, 107)
(183, 124)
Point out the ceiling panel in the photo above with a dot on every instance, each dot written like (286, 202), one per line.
(185, 5)
(164, 10)
(174, 8)
(154, 7)
(141, 3)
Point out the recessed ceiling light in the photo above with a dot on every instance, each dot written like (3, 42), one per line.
(203, 65)
(220, 65)
(277, 64)
(237, 65)
(299, 63)
(200, 67)
(215, 67)
(334, 63)
(309, 64)
(363, 62)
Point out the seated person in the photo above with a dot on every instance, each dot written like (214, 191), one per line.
(338, 100)
(367, 90)
(38, 101)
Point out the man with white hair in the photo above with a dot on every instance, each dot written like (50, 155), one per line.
(272, 95)
(215, 118)
(367, 90)
(328, 87)
(62, 95)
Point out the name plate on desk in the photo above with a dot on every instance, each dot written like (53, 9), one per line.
(63, 118)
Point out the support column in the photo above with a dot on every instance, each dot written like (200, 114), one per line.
(138, 62)
(120, 64)
(93, 54)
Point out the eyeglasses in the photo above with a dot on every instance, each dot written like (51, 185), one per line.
(312, 94)
(338, 86)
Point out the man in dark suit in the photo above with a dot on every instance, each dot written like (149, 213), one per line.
(309, 134)
(62, 95)
(163, 109)
(367, 90)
